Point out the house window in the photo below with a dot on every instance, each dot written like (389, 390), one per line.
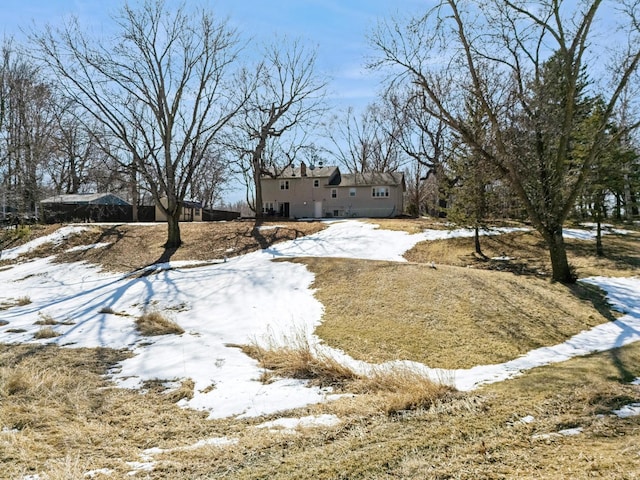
(267, 208)
(334, 193)
(197, 211)
(352, 192)
(380, 192)
(284, 184)
(316, 183)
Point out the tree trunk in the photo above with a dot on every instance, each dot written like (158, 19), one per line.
(477, 241)
(135, 193)
(599, 209)
(560, 269)
(257, 203)
(173, 236)
(599, 249)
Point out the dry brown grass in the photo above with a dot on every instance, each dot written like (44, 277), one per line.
(62, 419)
(296, 358)
(46, 332)
(59, 416)
(18, 302)
(155, 323)
(45, 319)
(22, 301)
(409, 225)
(450, 317)
(133, 246)
(68, 422)
(400, 389)
(387, 390)
(529, 254)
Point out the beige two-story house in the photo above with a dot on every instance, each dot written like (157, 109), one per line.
(324, 191)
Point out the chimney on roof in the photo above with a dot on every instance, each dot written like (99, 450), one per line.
(303, 169)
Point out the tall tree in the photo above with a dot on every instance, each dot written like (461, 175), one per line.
(426, 141)
(498, 52)
(75, 151)
(368, 141)
(286, 104)
(27, 127)
(473, 176)
(162, 90)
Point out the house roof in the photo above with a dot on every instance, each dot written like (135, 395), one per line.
(338, 179)
(312, 172)
(372, 179)
(87, 199)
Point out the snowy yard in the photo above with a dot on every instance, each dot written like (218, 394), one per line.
(243, 299)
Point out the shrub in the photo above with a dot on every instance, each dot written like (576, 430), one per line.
(107, 310)
(22, 231)
(154, 323)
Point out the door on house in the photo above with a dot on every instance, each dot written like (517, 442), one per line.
(317, 209)
(284, 210)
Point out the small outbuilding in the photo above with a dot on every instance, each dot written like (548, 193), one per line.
(85, 207)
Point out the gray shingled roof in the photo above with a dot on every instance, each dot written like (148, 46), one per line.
(316, 172)
(371, 179)
(87, 199)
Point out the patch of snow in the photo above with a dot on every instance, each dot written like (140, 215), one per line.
(140, 467)
(82, 248)
(527, 419)
(636, 381)
(577, 234)
(631, 410)
(216, 442)
(56, 238)
(568, 432)
(289, 425)
(562, 433)
(503, 258)
(99, 471)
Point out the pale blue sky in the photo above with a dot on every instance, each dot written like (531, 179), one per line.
(336, 28)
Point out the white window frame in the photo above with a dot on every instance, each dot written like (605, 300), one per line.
(380, 192)
(316, 183)
(267, 207)
(334, 193)
(352, 192)
(284, 184)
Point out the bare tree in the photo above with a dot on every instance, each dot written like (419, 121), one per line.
(368, 141)
(75, 150)
(27, 126)
(161, 90)
(210, 179)
(426, 141)
(274, 125)
(499, 52)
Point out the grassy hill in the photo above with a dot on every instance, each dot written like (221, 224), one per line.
(467, 311)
